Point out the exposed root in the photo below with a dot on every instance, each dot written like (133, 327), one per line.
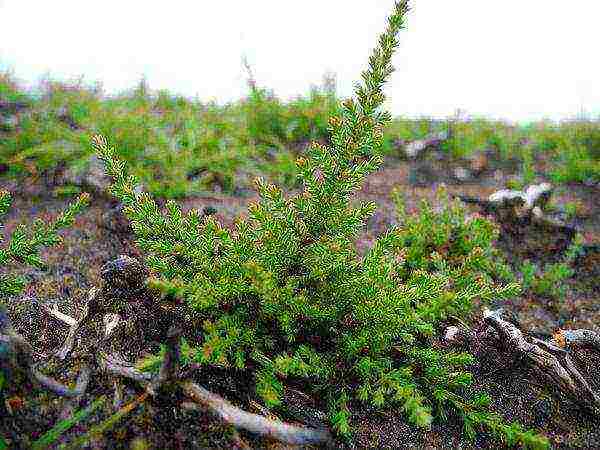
(415, 148)
(551, 359)
(511, 205)
(523, 218)
(577, 338)
(253, 422)
(117, 366)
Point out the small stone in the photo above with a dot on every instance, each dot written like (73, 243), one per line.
(462, 174)
(451, 334)
(124, 271)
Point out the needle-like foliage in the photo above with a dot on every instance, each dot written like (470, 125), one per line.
(287, 295)
(24, 244)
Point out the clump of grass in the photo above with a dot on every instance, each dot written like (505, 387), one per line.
(550, 281)
(575, 164)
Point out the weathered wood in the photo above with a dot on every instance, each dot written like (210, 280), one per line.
(550, 359)
(254, 423)
(415, 148)
(519, 210)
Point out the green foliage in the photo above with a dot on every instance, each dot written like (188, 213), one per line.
(550, 282)
(479, 134)
(575, 164)
(57, 430)
(571, 210)
(528, 168)
(179, 147)
(287, 296)
(9, 90)
(25, 244)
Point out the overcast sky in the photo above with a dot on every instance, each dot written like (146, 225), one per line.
(513, 59)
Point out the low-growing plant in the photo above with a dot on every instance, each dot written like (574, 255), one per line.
(528, 166)
(9, 89)
(286, 296)
(572, 209)
(575, 164)
(478, 134)
(24, 245)
(550, 281)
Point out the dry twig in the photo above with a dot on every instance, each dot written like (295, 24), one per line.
(550, 359)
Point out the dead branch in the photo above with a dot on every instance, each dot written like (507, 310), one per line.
(549, 359)
(117, 366)
(536, 195)
(253, 422)
(516, 210)
(577, 338)
(75, 326)
(170, 365)
(54, 312)
(415, 148)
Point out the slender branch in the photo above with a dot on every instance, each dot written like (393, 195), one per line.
(254, 423)
(54, 312)
(577, 338)
(56, 387)
(70, 341)
(114, 364)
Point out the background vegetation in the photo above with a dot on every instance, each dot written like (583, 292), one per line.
(180, 147)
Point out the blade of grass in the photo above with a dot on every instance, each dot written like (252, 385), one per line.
(106, 425)
(53, 434)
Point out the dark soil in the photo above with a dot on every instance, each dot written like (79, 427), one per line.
(101, 234)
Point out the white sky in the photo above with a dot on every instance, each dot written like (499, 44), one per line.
(512, 59)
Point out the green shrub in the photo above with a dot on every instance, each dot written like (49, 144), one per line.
(480, 134)
(286, 295)
(550, 282)
(24, 245)
(9, 90)
(575, 164)
(528, 166)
